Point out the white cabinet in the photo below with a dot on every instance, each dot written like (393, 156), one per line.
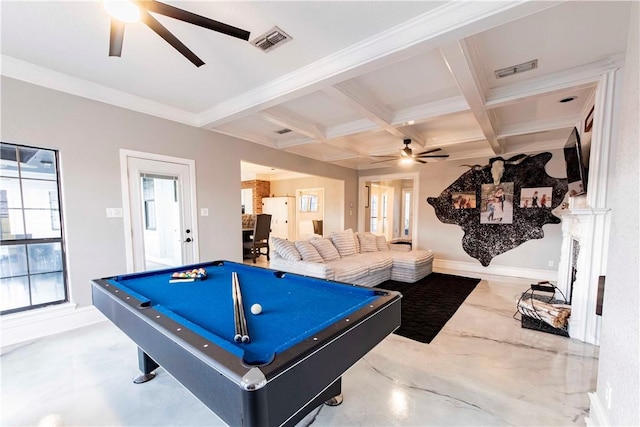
(283, 216)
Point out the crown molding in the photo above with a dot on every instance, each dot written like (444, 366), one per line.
(34, 74)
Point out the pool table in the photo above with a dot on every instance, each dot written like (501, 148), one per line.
(310, 331)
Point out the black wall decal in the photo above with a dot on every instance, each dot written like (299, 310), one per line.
(486, 241)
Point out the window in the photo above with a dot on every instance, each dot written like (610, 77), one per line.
(148, 192)
(32, 261)
(308, 203)
(373, 225)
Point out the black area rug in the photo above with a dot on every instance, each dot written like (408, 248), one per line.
(428, 304)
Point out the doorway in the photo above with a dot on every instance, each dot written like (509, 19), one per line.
(387, 205)
(159, 206)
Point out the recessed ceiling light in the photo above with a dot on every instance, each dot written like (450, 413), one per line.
(568, 99)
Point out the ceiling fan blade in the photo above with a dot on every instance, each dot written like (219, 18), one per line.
(382, 161)
(170, 38)
(429, 151)
(192, 18)
(432, 156)
(420, 161)
(116, 37)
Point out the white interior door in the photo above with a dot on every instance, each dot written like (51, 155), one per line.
(161, 213)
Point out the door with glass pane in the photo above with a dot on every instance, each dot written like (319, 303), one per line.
(31, 256)
(160, 209)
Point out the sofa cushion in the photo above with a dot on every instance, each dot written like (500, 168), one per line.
(344, 242)
(308, 252)
(348, 270)
(286, 249)
(357, 242)
(375, 260)
(325, 248)
(367, 242)
(381, 243)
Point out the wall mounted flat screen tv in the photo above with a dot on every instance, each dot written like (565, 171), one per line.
(576, 170)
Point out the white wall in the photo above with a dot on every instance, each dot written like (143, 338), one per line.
(334, 200)
(619, 367)
(445, 240)
(89, 135)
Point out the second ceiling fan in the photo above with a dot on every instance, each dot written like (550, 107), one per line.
(407, 155)
(139, 9)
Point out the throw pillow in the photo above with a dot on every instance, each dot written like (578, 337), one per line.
(327, 251)
(344, 242)
(381, 242)
(286, 249)
(367, 242)
(357, 242)
(308, 252)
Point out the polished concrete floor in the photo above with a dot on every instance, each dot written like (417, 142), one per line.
(482, 369)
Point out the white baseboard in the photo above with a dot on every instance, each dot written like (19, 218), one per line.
(498, 270)
(597, 415)
(33, 324)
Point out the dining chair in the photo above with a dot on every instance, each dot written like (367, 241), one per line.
(260, 238)
(317, 227)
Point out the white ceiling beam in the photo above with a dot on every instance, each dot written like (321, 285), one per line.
(430, 110)
(541, 125)
(365, 104)
(465, 76)
(574, 78)
(450, 21)
(296, 123)
(258, 139)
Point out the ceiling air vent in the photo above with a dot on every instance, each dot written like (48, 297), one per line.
(283, 131)
(515, 69)
(271, 39)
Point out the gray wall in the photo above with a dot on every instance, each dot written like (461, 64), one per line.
(89, 135)
(619, 366)
(446, 239)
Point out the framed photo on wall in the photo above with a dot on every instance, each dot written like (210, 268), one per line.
(466, 200)
(497, 203)
(538, 197)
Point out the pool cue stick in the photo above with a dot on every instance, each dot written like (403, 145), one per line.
(236, 314)
(243, 320)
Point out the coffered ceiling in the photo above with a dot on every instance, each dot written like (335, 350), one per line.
(355, 79)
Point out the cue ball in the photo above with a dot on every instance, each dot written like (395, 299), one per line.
(256, 309)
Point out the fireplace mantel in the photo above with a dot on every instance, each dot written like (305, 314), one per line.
(586, 226)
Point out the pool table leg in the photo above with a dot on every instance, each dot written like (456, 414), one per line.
(336, 391)
(335, 400)
(147, 365)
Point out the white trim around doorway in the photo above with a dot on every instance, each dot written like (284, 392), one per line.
(362, 196)
(128, 238)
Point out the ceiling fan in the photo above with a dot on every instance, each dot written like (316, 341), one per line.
(124, 11)
(408, 156)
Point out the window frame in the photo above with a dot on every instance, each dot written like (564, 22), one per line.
(27, 242)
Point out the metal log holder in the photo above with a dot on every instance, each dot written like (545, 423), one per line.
(531, 319)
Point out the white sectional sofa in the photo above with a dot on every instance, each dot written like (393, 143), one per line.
(357, 258)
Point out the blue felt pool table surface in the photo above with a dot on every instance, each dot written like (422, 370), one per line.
(294, 307)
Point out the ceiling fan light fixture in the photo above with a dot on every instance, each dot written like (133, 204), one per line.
(123, 10)
(406, 160)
